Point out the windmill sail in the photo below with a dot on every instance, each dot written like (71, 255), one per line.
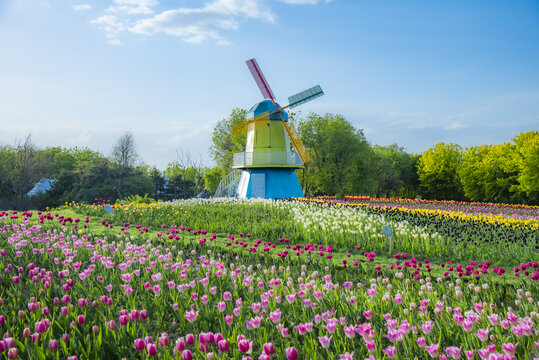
(243, 127)
(305, 96)
(296, 140)
(260, 79)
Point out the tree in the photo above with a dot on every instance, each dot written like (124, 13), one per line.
(124, 155)
(138, 182)
(397, 173)
(24, 171)
(158, 181)
(438, 172)
(212, 177)
(338, 152)
(224, 142)
(98, 181)
(124, 152)
(527, 159)
(473, 172)
(7, 169)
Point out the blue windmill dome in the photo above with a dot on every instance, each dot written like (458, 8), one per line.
(266, 106)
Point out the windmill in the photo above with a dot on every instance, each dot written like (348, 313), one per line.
(274, 149)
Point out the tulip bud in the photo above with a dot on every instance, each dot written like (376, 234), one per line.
(53, 344)
(223, 345)
(12, 353)
(291, 353)
(190, 339)
(187, 355)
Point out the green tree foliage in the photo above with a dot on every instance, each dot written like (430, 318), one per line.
(224, 143)
(158, 181)
(438, 172)
(473, 172)
(507, 173)
(396, 171)
(338, 151)
(124, 155)
(212, 177)
(527, 158)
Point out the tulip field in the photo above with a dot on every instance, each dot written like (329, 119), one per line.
(308, 278)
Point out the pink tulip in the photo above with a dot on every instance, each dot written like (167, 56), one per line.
(163, 340)
(371, 346)
(245, 346)
(124, 319)
(223, 345)
(391, 352)
(180, 344)
(432, 350)
(291, 353)
(13, 353)
(453, 352)
(509, 348)
(40, 327)
(325, 341)
(53, 344)
(140, 344)
(427, 327)
(368, 314)
(152, 349)
(482, 334)
(187, 355)
(191, 316)
(268, 348)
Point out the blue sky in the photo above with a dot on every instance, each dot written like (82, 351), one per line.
(415, 73)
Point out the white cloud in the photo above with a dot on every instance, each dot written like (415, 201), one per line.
(112, 25)
(82, 7)
(199, 24)
(133, 6)
(191, 24)
(224, 43)
(304, 2)
(454, 125)
(300, 2)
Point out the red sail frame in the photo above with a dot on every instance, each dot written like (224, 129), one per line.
(260, 79)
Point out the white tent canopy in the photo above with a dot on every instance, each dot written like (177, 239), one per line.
(43, 185)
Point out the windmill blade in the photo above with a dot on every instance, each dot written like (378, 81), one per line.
(260, 79)
(305, 96)
(243, 127)
(296, 140)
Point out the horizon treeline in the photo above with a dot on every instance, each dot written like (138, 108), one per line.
(343, 163)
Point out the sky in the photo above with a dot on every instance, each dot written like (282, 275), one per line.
(82, 72)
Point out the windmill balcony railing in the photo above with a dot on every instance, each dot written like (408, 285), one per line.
(267, 158)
